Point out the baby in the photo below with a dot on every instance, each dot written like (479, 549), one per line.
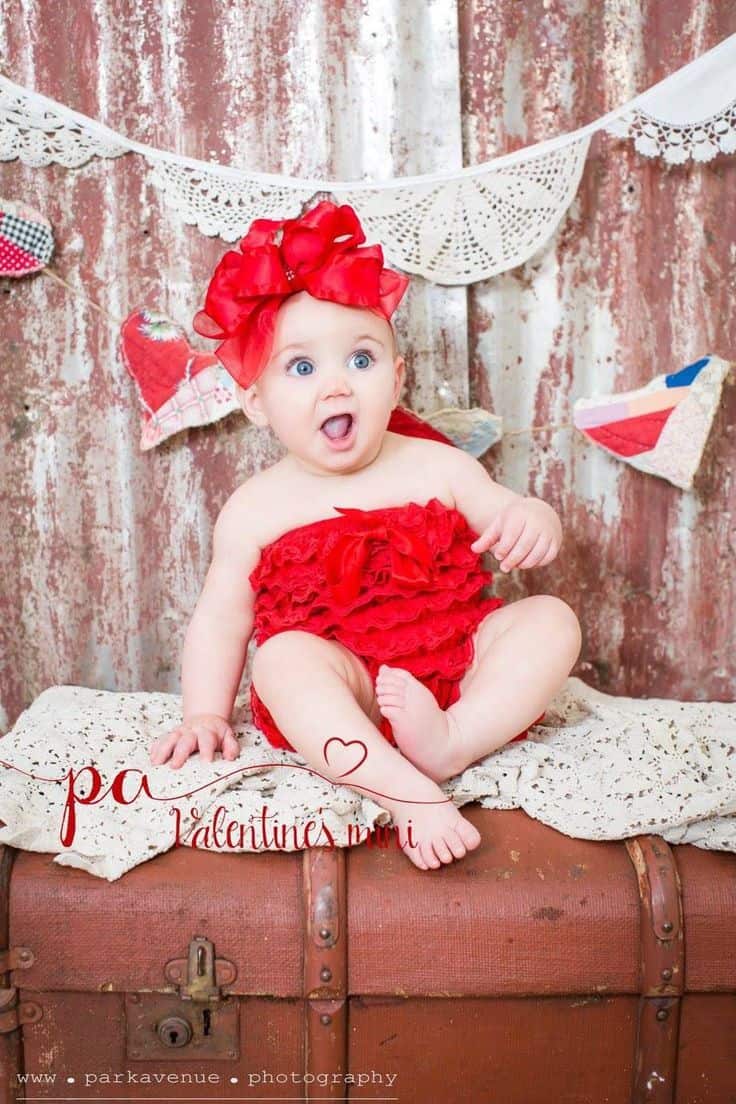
(356, 559)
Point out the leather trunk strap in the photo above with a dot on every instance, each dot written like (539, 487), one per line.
(325, 968)
(662, 970)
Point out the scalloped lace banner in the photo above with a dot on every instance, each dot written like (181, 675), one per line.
(451, 227)
(41, 132)
(452, 231)
(689, 114)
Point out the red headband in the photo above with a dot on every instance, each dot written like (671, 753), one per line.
(278, 259)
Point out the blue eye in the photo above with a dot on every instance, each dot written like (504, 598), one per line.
(363, 355)
(298, 364)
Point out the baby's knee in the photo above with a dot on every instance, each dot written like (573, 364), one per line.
(563, 623)
(286, 655)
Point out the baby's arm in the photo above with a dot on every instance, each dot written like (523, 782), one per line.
(216, 643)
(520, 531)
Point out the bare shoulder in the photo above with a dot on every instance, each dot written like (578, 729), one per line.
(460, 463)
(423, 449)
(476, 494)
(443, 464)
(426, 446)
(236, 534)
(246, 521)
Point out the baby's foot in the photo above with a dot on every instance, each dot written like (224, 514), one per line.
(432, 834)
(426, 734)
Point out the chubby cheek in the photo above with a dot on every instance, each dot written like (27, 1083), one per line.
(375, 408)
(292, 427)
(289, 411)
(374, 390)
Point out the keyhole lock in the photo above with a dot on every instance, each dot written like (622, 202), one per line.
(174, 1031)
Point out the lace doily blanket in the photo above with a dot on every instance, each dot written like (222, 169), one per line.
(599, 767)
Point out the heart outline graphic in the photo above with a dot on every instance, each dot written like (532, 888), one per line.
(346, 744)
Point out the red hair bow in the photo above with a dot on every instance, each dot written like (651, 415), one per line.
(317, 253)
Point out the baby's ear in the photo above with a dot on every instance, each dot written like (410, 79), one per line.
(399, 372)
(250, 404)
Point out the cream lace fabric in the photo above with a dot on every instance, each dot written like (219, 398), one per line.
(453, 227)
(452, 231)
(600, 767)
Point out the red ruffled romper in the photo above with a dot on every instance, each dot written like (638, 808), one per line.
(397, 585)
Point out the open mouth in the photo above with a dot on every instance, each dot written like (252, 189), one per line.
(338, 427)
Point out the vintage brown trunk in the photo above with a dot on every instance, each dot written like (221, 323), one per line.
(538, 968)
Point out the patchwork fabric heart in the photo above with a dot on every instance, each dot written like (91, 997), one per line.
(26, 239)
(178, 387)
(661, 428)
(473, 430)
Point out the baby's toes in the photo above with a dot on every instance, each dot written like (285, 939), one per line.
(391, 696)
(429, 856)
(392, 713)
(385, 686)
(441, 850)
(455, 844)
(413, 853)
(392, 676)
(468, 833)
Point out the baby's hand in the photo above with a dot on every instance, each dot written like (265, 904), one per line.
(526, 533)
(206, 731)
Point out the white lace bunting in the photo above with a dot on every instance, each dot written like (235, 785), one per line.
(453, 227)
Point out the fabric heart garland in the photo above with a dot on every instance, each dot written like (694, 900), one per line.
(178, 387)
(661, 428)
(26, 239)
(474, 430)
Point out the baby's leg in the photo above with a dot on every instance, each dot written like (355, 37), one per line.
(523, 654)
(317, 689)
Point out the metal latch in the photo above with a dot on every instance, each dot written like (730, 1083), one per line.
(198, 1021)
(205, 975)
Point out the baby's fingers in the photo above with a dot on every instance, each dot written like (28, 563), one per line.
(219, 736)
(554, 548)
(512, 530)
(538, 552)
(230, 745)
(162, 747)
(184, 748)
(521, 549)
(207, 740)
(489, 536)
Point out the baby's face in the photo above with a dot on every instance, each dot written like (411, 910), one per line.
(330, 385)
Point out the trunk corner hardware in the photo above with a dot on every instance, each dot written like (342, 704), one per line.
(12, 1014)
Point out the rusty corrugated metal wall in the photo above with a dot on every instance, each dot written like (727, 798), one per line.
(105, 549)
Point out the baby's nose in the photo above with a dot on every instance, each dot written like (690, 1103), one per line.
(337, 384)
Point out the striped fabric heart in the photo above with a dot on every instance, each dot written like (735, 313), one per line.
(661, 428)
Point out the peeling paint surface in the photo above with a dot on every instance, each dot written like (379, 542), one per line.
(638, 279)
(106, 547)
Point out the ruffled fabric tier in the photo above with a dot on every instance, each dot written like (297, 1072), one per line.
(398, 585)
